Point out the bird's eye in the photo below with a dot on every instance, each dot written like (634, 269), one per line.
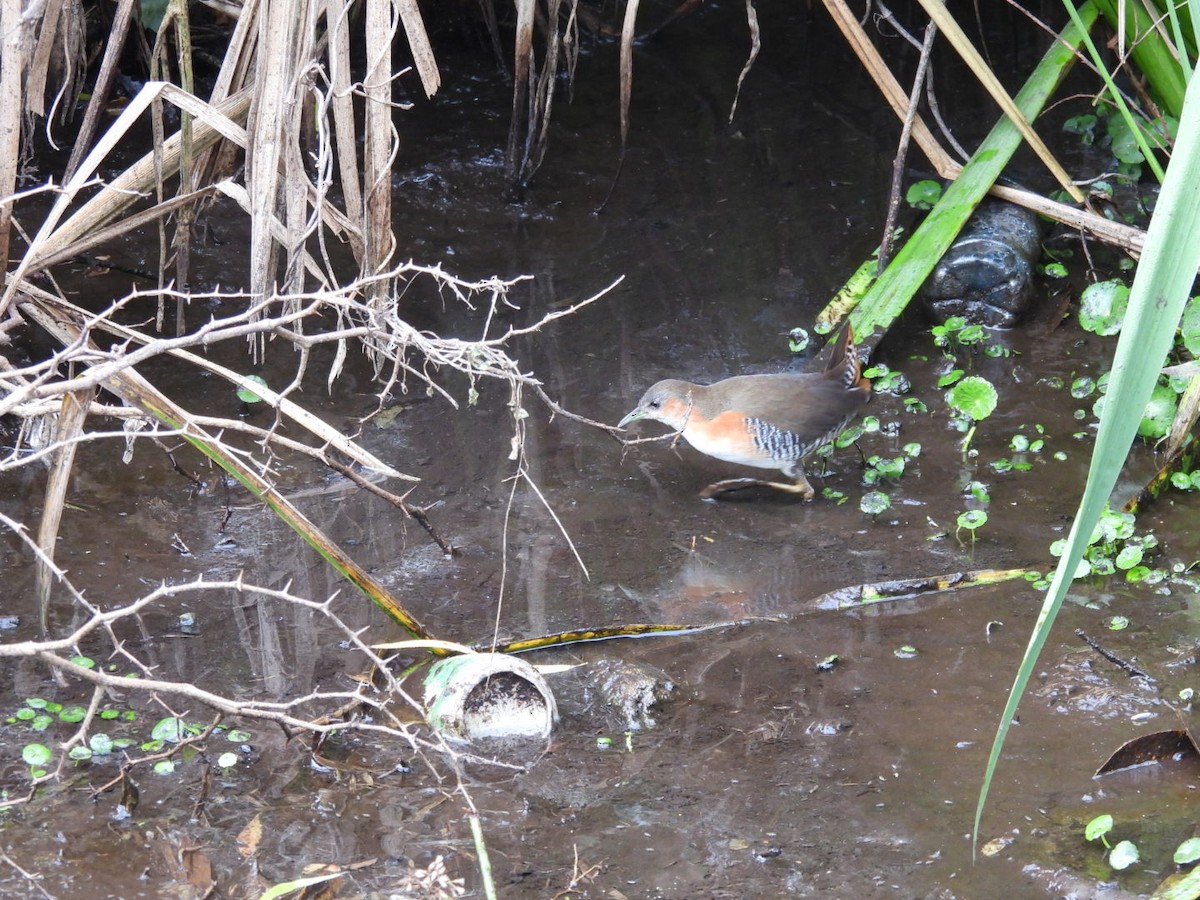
(654, 404)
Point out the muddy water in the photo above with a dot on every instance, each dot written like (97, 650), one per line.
(763, 775)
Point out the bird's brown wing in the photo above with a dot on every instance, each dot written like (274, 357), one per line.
(808, 405)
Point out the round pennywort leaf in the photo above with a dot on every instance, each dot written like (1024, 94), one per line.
(1102, 307)
(36, 754)
(923, 194)
(1187, 852)
(1124, 855)
(1159, 413)
(101, 744)
(1189, 327)
(874, 502)
(972, 519)
(974, 397)
(1098, 827)
(170, 729)
(227, 760)
(246, 395)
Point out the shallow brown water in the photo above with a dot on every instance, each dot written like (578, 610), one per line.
(762, 775)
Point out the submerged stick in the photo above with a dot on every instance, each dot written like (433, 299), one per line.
(413, 512)
(905, 588)
(832, 601)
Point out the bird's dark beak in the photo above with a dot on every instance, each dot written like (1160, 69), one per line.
(631, 417)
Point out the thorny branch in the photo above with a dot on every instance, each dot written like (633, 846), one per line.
(294, 714)
(106, 346)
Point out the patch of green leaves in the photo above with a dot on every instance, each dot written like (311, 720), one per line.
(956, 332)
(1085, 126)
(1159, 411)
(836, 496)
(887, 381)
(1186, 481)
(1115, 546)
(1121, 856)
(40, 715)
(1003, 466)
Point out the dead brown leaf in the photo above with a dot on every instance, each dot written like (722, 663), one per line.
(249, 837)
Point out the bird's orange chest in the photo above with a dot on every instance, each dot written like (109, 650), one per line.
(728, 436)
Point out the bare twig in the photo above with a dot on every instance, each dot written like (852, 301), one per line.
(914, 99)
(413, 512)
(1129, 668)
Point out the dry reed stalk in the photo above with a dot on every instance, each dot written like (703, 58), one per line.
(522, 75)
(628, 32)
(69, 427)
(418, 45)
(59, 51)
(114, 46)
(218, 160)
(273, 101)
(380, 144)
(342, 107)
(14, 36)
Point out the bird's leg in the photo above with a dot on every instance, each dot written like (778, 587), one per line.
(729, 485)
(801, 487)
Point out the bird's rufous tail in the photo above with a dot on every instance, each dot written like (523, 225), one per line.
(845, 365)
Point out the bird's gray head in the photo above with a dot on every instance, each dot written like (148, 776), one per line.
(669, 402)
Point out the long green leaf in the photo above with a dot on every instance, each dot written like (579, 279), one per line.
(1160, 289)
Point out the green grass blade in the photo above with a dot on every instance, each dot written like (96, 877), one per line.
(1152, 56)
(1114, 92)
(1186, 49)
(1160, 289)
